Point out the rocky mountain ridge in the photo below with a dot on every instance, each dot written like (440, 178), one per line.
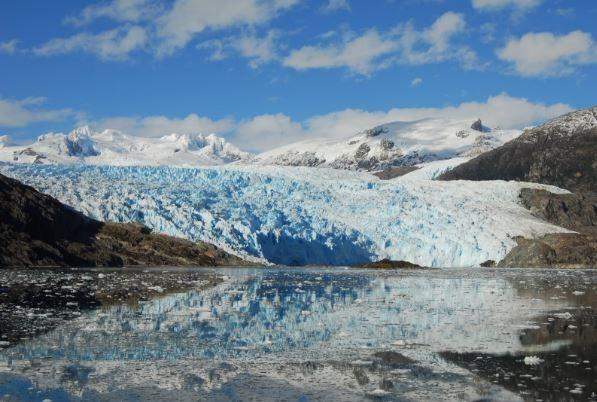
(561, 152)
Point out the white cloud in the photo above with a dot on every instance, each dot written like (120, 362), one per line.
(187, 18)
(117, 10)
(546, 54)
(493, 5)
(374, 51)
(157, 126)
(259, 50)
(416, 82)
(20, 113)
(361, 54)
(269, 131)
(335, 5)
(113, 44)
(434, 44)
(8, 47)
(164, 30)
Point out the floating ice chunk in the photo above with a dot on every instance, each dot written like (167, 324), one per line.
(158, 289)
(532, 360)
(564, 316)
(362, 363)
(378, 393)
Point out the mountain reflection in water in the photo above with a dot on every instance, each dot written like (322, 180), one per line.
(303, 333)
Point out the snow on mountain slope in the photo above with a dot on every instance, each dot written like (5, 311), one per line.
(292, 215)
(5, 141)
(393, 144)
(112, 147)
(571, 123)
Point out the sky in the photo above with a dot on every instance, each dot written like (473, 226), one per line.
(263, 73)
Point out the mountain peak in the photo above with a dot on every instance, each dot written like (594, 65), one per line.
(5, 141)
(82, 131)
(570, 123)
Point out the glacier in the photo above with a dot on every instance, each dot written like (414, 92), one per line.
(299, 215)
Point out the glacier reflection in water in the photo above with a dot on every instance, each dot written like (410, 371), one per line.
(269, 334)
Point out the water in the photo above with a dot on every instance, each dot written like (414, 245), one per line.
(327, 334)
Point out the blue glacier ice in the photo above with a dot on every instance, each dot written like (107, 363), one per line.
(295, 216)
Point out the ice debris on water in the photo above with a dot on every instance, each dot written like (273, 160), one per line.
(532, 360)
(563, 316)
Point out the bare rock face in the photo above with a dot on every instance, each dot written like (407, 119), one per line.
(561, 152)
(576, 212)
(389, 264)
(561, 250)
(392, 173)
(572, 211)
(477, 126)
(37, 230)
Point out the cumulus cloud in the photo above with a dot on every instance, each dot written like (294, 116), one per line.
(335, 5)
(157, 126)
(373, 51)
(20, 113)
(8, 47)
(546, 54)
(362, 54)
(268, 131)
(112, 44)
(493, 5)
(187, 18)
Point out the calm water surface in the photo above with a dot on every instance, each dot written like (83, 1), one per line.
(327, 334)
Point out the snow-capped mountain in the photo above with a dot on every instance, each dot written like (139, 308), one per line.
(561, 152)
(112, 147)
(570, 123)
(392, 144)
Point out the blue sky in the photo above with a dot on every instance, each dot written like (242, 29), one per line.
(266, 72)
